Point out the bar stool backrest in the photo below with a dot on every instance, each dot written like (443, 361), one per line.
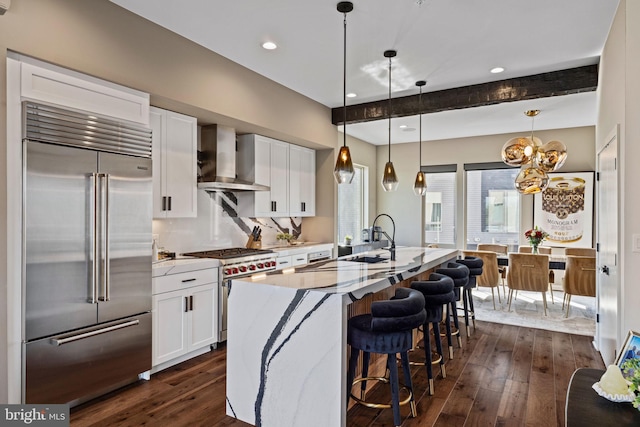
(405, 311)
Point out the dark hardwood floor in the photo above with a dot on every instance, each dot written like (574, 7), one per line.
(503, 376)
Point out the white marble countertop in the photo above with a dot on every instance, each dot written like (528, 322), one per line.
(182, 265)
(288, 335)
(299, 247)
(342, 276)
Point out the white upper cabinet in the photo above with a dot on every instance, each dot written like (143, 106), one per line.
(264, 161)
(58, 86)
(175, 153)
(302, 181)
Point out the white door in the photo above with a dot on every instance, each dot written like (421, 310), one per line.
(608, 280)
(170, 311)
(203, 309)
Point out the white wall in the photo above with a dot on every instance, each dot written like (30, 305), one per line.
(619, 104)
(103, 40)
(406, 208)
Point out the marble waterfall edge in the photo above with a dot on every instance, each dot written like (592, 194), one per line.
(275, 328)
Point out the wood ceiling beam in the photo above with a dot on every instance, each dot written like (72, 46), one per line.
(555, 83)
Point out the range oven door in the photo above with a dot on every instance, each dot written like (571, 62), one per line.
(222, 301)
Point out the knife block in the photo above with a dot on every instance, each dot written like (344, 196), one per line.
(254, 244)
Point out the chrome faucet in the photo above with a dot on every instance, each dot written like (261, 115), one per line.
(392, 248)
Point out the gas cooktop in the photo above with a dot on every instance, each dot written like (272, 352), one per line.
(239, 262)
(228, 253)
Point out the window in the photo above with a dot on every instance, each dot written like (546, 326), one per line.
(433, 211)
(440, 205)
(493, 205)
(501, 212)
(352, 205)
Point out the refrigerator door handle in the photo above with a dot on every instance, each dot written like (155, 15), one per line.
(93, 233)
(103, 215)
(105, 237)
(66, 340)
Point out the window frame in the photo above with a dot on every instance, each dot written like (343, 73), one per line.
(511, 241)
(441, 169)
(363, 203)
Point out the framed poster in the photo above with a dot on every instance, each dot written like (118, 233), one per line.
(565, 210)
(630, 349)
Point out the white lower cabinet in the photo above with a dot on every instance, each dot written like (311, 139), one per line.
(295, 260)
(299, 259)
(184, 319)
(283, 262)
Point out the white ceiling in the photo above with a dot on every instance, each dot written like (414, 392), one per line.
(449, 43)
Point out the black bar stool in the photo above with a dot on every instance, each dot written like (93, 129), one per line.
(474, 264)
(387, 330)
(437, 292)
(460, 275)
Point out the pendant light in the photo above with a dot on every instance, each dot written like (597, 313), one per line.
(389, 178)
(343, 171)
(535, 158)
(420, 185)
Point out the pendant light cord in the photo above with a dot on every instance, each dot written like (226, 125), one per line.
(389, 109)
(420, 142)
(533, 118)
(344, 83)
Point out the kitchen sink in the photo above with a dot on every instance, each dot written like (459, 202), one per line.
(368, 259)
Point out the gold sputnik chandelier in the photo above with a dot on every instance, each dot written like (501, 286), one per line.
(535, 158)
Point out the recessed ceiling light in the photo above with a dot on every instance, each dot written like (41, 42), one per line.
(351, 95)
(497, 70)
(269, 45)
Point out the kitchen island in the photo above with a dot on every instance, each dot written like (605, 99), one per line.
(287, 342)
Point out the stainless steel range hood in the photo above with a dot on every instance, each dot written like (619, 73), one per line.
(218, 157)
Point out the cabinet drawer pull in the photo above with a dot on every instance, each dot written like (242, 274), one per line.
(164, 203)
(284, 262)
(191, 302)
(169, 202)
(188, 280)
(186, 304)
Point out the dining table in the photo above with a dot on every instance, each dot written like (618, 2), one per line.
(556, 262)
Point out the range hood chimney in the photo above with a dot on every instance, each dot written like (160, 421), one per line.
(218, 157)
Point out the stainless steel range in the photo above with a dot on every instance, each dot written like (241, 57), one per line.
(235, 263)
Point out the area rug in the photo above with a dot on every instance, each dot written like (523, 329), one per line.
(527, 310)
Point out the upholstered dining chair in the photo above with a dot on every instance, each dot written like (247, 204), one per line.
(490, 276)
(500, 250)
(543, 250)
(579, 278)
(580, 252)
(528, 272)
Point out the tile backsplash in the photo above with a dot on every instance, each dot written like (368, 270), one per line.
(218, 226)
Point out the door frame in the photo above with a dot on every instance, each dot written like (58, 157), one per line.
(614, 134)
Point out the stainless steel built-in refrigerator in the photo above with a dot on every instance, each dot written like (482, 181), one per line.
(87, 254)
